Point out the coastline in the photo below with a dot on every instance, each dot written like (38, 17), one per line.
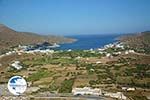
(86, 42)
(109, 56)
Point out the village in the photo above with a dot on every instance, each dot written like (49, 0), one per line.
(86, 72)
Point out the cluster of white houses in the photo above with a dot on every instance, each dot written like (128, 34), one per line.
(48, 49)
(97, 92)
(115, 45)
(36, 48)
(19, 52)
(86, 91)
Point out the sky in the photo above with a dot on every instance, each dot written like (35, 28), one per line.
(65, 17)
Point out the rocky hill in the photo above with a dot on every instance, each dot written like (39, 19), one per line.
(139, 41)
(10, 38)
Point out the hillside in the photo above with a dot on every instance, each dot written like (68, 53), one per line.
(140, 41)
(10, 38)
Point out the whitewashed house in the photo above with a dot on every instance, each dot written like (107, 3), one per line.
(86, 91)
(128, 88)
(124, 88)
(98, 62)
(126, 52)
(131, 51)
(16, 65)
(118, 95)
(131, 89)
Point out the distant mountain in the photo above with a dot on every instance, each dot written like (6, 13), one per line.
(10, 38)
(138, 41)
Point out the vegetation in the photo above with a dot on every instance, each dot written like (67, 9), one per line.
(62, 70)
(77, 53)
(139, 42)
(39, 74)
(10, 38)
(66, 86)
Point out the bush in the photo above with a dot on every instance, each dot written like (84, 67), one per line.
(66, 86)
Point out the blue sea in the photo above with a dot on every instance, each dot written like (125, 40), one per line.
(86, 42)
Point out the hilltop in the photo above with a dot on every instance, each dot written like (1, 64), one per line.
(11, 38)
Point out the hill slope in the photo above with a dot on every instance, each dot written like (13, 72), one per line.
(10, 38)
(139, 42)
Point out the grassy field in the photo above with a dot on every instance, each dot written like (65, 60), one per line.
(61, 71)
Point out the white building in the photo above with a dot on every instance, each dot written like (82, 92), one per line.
(129, 51)
(101, 49)
(117, 53)
(124, 88)
(16, 65)
(40, 51)
(98, 62)
(120, 45)
(128, 88)
(86, 91)
(126, 52)
(109, 46)
(108, 55)
(9, 53)
(118, 95)
(131, 89)
(92, 70)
